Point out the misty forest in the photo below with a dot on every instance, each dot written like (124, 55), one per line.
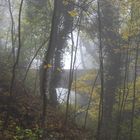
(69, 70)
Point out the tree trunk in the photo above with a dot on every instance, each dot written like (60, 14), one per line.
(110, 39)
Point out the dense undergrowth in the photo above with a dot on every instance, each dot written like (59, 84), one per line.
(24, 121)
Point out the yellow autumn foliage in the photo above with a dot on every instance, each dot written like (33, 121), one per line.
(73, 13)
(47, 66)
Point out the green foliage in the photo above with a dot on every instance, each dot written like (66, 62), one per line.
(127, 96)
(125, 129)
(28, 134)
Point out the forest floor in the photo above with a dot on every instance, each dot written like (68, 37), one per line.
(24, 121)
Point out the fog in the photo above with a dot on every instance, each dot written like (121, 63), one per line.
(69, 69)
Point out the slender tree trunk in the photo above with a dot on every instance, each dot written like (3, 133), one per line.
(15, 64)
(19, 48)
(90, 99)
(12, 31)
(134, 93)
(100, 115)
